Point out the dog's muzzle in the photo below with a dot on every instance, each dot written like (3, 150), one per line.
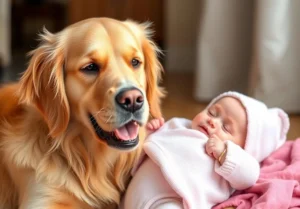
(129, 102)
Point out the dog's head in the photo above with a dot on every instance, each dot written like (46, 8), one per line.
(100, 72)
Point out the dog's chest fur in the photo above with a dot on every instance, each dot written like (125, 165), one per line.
(28, 152)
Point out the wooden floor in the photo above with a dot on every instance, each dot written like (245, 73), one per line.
(180, 102)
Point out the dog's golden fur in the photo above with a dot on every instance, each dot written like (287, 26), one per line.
(51, 157)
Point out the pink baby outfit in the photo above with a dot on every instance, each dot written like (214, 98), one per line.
(175, 172)
(176, 169)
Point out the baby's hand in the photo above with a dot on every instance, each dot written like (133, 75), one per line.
(214, 147)
(155, 124)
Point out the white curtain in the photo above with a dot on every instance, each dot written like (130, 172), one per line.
(5, 56)
(252, 47)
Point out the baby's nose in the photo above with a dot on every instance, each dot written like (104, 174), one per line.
(214, 123)
(211, 123)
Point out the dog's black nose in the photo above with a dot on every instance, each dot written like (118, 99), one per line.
(130, 99)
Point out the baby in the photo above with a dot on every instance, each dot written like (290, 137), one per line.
(199, 163)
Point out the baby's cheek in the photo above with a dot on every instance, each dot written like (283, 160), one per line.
(240, 142)
(224, 137)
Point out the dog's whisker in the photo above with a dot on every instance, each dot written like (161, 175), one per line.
(102, 110)
(108, 119)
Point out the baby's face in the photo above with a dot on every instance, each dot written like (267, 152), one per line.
(226, 119)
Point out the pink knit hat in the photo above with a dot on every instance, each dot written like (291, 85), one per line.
(266, 128)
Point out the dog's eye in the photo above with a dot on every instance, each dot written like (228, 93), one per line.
(91, 68)
(135, 63)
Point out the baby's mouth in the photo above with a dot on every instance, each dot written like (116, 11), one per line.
(204, 130)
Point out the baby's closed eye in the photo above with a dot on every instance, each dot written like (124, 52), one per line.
(227, 128)
(213, 112)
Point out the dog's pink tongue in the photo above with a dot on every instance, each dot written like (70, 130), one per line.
(128, 131)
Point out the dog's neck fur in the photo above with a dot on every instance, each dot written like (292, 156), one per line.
(101, 182)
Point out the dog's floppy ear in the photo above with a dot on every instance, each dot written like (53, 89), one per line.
(42, 84)
(154, 71)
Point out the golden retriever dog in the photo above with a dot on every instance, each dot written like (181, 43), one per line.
(71, 128)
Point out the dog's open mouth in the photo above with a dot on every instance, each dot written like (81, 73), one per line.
(124, 137)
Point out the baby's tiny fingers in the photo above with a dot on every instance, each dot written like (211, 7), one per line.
(208, 150)
(156, 124)
(211, 142)
(150, 126)
(214, 137)
(161, 121)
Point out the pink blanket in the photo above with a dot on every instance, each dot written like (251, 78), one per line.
(278, 184)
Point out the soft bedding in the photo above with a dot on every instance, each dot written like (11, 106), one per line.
(278, 184)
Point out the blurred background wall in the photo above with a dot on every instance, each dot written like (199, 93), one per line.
(252, 47)
(210, 46)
